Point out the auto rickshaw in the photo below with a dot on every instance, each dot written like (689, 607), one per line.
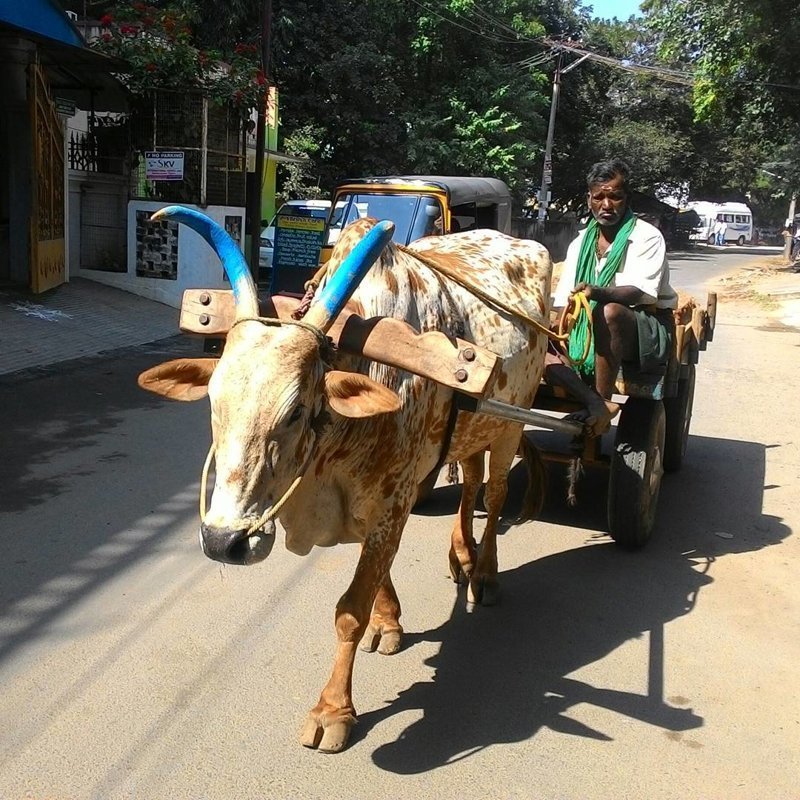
(418, 205)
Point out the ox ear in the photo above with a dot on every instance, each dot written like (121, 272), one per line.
(182, 379)
(353, 395)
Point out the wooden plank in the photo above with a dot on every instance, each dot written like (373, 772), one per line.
(711, 316)
(210, 312)
(449, 361)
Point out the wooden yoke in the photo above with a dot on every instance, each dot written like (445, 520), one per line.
(451, 362)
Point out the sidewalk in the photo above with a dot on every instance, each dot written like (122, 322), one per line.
(78, 319)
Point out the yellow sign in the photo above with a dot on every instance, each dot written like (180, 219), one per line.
(301, 223)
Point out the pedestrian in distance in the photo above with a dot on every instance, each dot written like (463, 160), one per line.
(722, 230)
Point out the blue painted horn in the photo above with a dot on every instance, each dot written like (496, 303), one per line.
(244, 288)
(344, 281)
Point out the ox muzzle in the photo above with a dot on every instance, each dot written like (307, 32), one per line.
(237, 546)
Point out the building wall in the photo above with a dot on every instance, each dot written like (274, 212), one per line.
(165, 259)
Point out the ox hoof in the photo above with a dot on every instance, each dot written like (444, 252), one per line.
(386, 643)
(330, 739)
(390, 643)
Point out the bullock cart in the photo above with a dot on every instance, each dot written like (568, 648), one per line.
(651, 435)
(653, 428)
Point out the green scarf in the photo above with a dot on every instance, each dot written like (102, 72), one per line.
(585, 273)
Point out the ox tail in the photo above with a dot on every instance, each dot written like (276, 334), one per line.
(536, 490)
(574, 473)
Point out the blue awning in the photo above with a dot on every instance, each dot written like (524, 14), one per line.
(41, 18)
(75, 71)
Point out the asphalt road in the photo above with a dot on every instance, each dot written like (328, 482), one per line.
(133, 667)
(692, 270)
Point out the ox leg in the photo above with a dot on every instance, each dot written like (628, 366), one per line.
(484, 587)
(328, 724)
(463, 553)
(384, 631)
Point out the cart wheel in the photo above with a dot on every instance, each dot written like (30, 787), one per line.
(679, 415)
(425, 489)
(636, 470)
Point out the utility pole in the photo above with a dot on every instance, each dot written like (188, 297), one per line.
(547, 168)
(787, 245)
(261, 136)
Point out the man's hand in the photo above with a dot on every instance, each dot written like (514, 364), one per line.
(592, 292)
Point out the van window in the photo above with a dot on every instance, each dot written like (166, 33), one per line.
(728, 217)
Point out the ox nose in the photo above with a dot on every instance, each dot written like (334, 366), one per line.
(238, 547)
(221, 544)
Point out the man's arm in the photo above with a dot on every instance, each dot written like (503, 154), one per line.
(624, 295)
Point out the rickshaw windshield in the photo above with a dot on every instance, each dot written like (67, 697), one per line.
(412, 216)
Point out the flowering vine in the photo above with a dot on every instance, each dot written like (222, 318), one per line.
(159, 46)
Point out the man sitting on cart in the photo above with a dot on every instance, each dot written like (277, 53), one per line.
(619, 263)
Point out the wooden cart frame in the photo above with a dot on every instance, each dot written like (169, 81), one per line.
(653, 429)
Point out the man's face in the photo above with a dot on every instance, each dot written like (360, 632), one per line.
(607, 201)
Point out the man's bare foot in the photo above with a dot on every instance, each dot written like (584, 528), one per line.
(599, 416)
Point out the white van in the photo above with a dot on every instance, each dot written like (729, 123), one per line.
(738, 218)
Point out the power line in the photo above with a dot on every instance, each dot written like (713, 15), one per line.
(475, 32)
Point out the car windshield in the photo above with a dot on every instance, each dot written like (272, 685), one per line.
(412, 216)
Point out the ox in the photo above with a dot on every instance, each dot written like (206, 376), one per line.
(336, 454)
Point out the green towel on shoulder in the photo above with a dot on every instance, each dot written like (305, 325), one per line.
(585, 273)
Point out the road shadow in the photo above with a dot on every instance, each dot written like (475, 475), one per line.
(76, 477)
(504, 673)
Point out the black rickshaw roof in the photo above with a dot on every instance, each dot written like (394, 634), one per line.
(459, 188)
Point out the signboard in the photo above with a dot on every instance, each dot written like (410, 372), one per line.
(298, 241)
(64, 107)
(163, 166)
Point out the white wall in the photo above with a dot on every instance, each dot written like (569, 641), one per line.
(198, 265)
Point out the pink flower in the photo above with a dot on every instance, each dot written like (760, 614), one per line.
(106, 20)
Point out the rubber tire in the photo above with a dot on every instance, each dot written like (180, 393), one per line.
(679, 417)
(740, 241)
(636, 470)
(712, 239)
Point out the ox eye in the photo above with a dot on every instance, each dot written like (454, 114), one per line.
(297, 412)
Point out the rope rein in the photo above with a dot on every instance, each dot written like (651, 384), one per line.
(566, 321)
(270, 513)
(266, 516)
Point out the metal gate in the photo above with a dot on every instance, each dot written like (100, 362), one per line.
(104, 226)
(47, 213)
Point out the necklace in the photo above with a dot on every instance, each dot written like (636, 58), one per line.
(597, 249)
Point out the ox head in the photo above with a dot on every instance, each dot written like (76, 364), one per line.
(271, 393)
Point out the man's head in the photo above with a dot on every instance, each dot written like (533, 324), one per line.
(607, 183)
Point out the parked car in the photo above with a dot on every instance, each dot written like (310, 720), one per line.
(306, 208)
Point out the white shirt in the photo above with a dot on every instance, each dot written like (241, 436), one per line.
(644, 266)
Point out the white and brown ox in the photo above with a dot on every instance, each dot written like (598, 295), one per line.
(361, 437)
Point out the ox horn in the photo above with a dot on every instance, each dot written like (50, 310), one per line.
(344, 281)
(244, 288)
